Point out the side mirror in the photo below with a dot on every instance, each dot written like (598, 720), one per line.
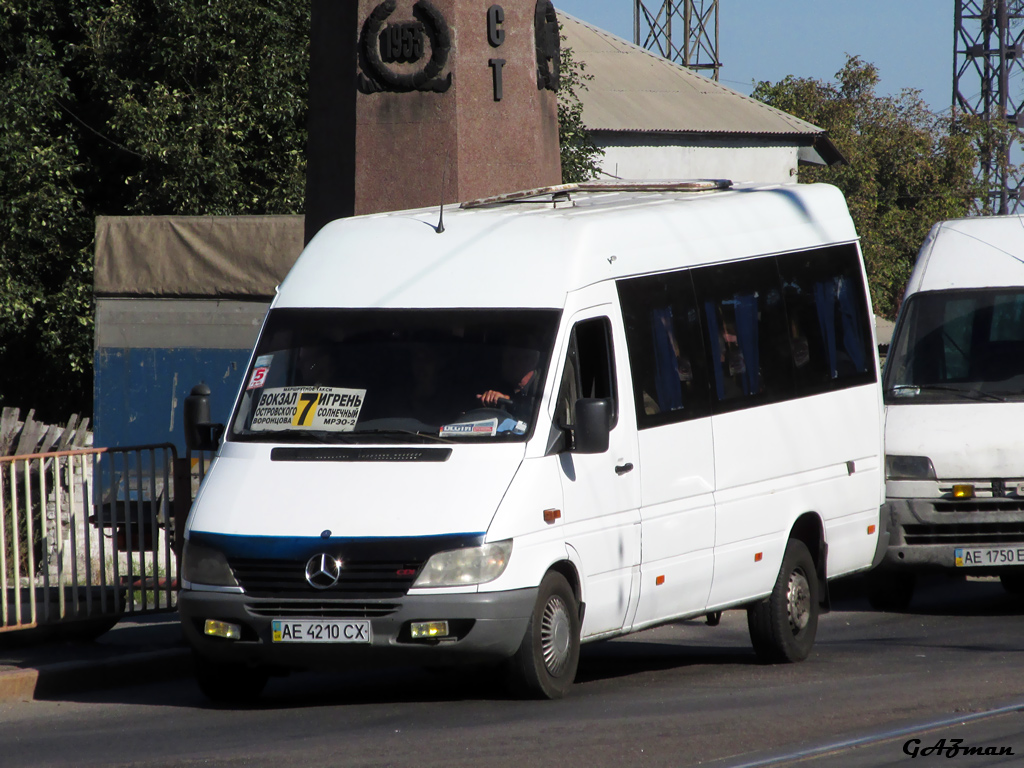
(200, 433)
(593, 425)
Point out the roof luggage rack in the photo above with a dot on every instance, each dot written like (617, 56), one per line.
(562, 192)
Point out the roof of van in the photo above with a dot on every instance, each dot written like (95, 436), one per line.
(971, 253)
(530, 251)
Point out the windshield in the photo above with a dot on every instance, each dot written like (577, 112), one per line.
(339, 376)
(958, 345)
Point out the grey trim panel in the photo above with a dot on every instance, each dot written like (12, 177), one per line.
(178, 323)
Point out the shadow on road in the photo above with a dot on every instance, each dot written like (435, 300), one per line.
(936, 594)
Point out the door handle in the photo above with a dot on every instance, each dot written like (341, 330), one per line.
(622, 469)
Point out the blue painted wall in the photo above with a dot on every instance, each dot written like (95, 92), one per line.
(139, 394)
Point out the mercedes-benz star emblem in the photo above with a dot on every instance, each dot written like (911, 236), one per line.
(323, 571)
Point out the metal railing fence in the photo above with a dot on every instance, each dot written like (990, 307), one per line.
(88, 534)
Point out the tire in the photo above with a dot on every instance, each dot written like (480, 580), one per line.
(227, 683)
(890, 591)
(545, 665)
(1013, 582)
(784, 624)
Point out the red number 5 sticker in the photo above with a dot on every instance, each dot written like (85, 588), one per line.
(259, 377)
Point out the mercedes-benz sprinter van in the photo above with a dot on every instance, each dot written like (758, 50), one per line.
(563, 416)
(954, 402)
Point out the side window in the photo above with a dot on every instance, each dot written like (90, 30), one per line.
(750, 357)
(828, 321)
(666, 349)
(589, 369)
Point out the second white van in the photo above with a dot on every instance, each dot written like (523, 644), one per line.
(954, 401)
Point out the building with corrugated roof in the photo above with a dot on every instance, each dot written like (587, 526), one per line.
(655, 119)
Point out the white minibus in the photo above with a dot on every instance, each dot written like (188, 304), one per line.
(558, 417)
(954, 400)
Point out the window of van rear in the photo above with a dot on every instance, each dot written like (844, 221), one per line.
(724, 337)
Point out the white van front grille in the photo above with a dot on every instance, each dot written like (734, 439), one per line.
(275, 578)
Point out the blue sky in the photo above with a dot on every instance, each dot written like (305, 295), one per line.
(910, 41)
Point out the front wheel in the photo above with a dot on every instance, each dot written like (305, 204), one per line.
(784, 624)
(545, 664)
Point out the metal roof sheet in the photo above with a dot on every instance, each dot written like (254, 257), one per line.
(637, 91)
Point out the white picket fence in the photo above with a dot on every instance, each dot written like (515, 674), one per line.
(89, 533)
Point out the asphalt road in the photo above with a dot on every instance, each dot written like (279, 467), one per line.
(685, 694)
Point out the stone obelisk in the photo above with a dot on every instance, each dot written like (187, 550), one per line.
(417, 101)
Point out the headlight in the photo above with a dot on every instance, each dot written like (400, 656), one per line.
(464, 567)
(205, 565)
(909, 468)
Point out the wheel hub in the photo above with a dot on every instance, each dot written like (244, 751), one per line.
(555, 633)
(798, 601)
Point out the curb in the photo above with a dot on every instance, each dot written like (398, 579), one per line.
(52, 680)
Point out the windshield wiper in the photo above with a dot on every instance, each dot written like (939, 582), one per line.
(904, 390)
(398, 433)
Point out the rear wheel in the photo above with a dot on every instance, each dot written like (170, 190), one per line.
(228, 683)
(783, 625)
(545, 664)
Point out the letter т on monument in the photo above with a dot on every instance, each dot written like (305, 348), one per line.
(405, 93)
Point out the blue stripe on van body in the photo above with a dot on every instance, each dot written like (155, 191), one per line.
(361, 548)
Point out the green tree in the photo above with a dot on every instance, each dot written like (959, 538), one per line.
(580, 156)
(119, 107)
(45, 259)
(202, 105)
(907, 167)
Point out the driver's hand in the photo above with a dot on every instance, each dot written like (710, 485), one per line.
(492, 397)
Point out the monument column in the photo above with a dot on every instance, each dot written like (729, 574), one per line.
(415, 101)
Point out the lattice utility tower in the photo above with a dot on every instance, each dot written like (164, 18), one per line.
(988, 42)
(683, 31)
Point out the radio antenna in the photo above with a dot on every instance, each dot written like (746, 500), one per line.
(444, 178)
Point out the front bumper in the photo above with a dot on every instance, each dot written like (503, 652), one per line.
(491, 627)
(925, 533)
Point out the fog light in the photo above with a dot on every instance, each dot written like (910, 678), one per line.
(222, 629)
(428, 629)
(963, 491)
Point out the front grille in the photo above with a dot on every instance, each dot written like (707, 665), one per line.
(359, 579)
(981, 505)
(285, 609)
(964, 533)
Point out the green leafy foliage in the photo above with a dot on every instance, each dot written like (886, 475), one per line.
(907, 167)
(45, 314)
(202, 105)
(129, 107)
(580, 156)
